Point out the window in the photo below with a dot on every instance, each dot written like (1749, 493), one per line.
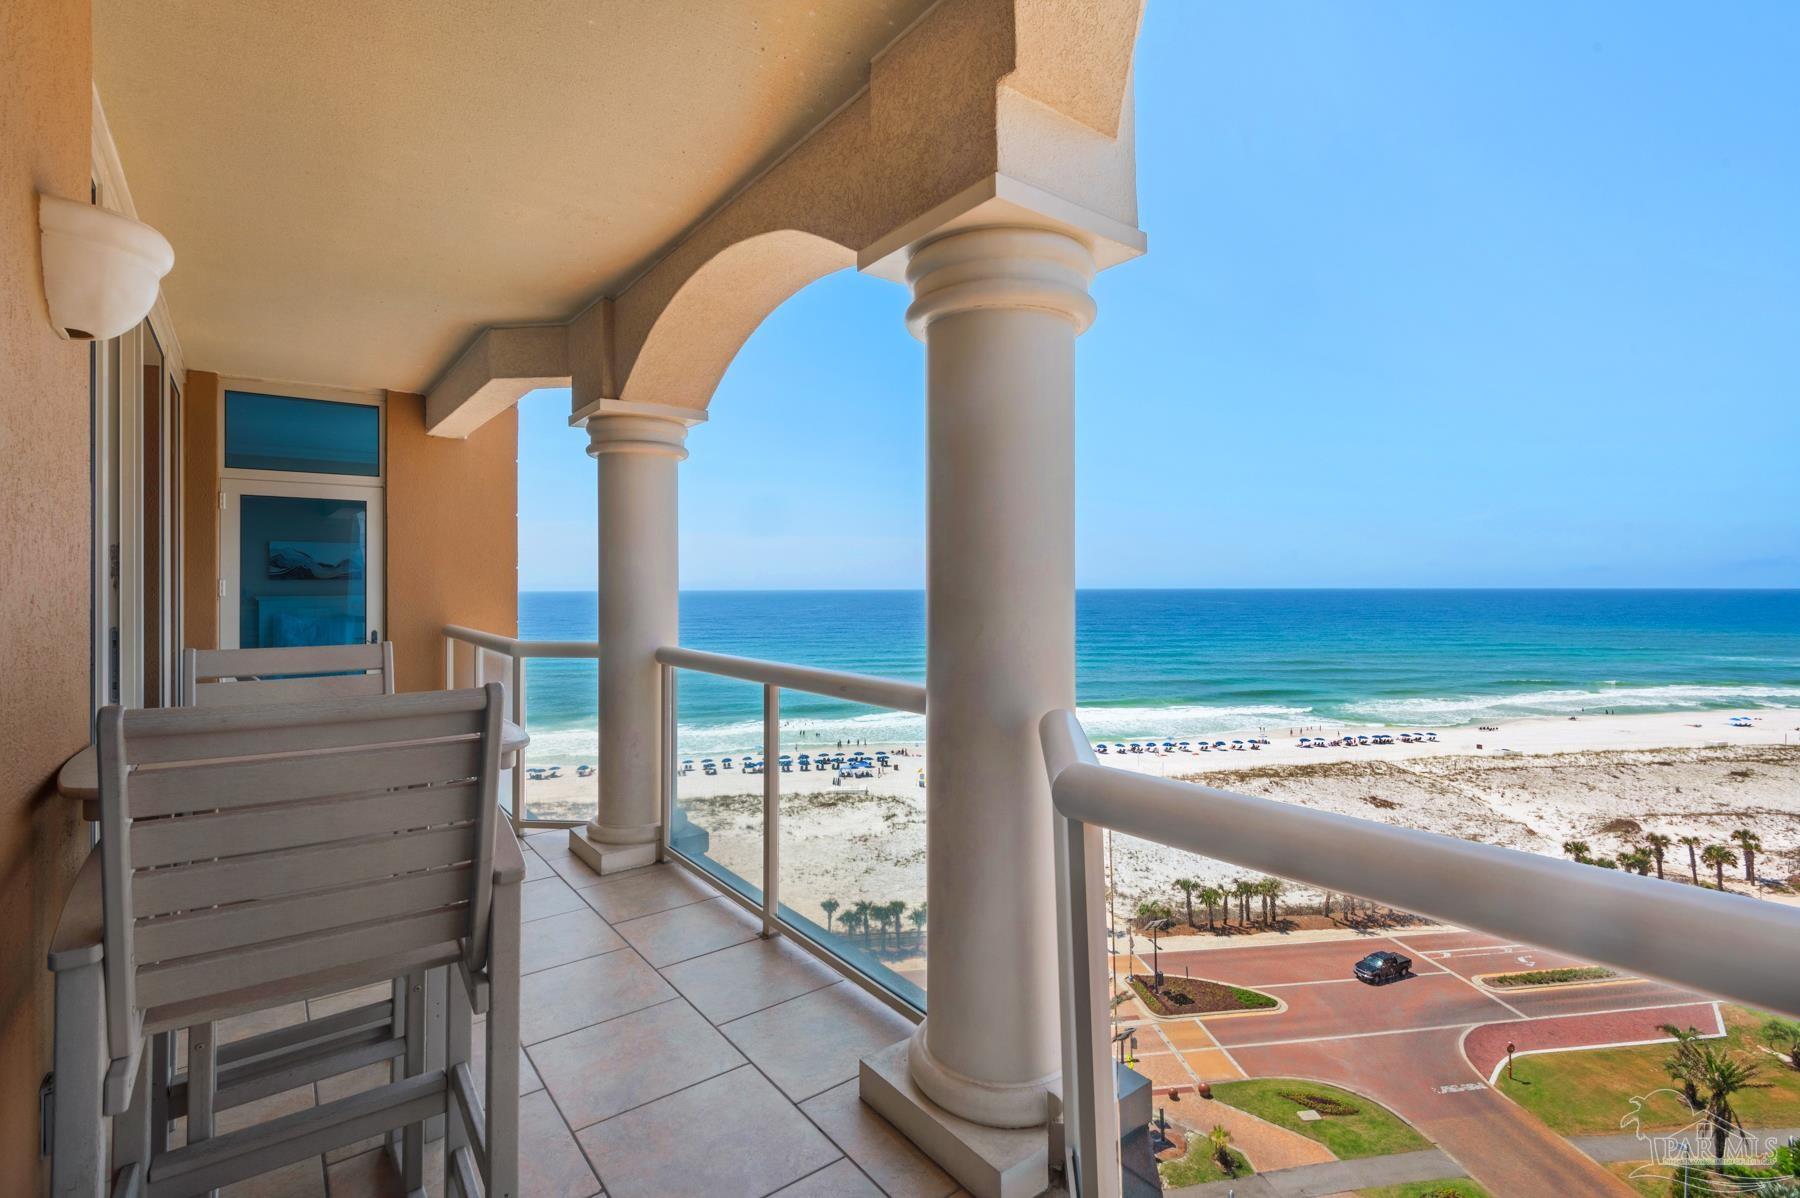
(308, 436)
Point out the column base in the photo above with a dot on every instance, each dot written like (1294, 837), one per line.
(990, 1162)
(610, 858)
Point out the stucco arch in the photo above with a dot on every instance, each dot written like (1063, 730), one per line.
(1016, 111)
(696, 335)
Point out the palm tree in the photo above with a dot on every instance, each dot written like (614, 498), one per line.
(1212, 896)
(1187, 886)
(1218, 1144)
(1578, 849)
(1638, 860)
(896, 912)
(1783, 1035)
(860, 913)
(1721, 1075)
(1681, 1066)
(1693, 844)
(1242, 888)
(1272, 889)
(1751, 843)
(1718, 857)
(1658, 844)
(918, 920)
(829, 906)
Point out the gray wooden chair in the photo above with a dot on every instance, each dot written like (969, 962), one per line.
(253, 856)
(232, 677)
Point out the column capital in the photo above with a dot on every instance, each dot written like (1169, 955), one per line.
(615, 426)
(1000, 266)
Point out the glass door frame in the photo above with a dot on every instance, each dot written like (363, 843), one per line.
(238, 481)
(231, 493)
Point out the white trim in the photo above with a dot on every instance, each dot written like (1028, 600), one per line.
(115, 196)
(233, 489)
(128, 490)
(686, 417)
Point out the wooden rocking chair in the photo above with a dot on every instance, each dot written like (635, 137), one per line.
(254, 856)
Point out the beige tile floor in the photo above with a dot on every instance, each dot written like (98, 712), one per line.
(669, 1051)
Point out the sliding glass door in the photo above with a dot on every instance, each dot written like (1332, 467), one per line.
(302, 564)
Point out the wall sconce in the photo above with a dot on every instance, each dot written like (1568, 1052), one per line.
(101, 270)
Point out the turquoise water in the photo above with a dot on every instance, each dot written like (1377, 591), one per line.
(1180, 663)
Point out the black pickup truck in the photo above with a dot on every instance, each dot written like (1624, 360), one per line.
(1381, 967)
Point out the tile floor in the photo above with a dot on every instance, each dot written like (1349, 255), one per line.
(669, 1051)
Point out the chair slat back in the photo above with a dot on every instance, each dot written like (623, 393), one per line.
(297, 674)
(269, 848)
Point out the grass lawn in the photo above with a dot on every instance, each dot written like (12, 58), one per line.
(1451, 1187)
(1647, 1187)
(1198, 1166)
(1583, 1093)
(1372, 1131)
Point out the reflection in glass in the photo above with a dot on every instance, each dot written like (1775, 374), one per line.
(302, 571)
(718, 805)
(853, 837)
(313, 436)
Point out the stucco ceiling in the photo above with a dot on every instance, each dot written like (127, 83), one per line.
(353, 189)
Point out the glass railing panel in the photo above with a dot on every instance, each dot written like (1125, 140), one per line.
(717, 818)
(852, 829)
(562, 714)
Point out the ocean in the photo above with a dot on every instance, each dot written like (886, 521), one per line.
(1182, 663)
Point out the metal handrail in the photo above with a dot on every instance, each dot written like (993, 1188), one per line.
(514, 647)
(775, 677)
(1722, 944)
(517, 652)
(857, 688)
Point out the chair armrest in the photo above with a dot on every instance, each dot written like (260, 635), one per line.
(80, 937)
(509, 861)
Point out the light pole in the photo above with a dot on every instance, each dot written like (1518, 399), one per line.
(1155, 926)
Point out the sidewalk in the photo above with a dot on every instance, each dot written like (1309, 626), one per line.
(1628, 1146)
(1335, 1177)
(1183, 944)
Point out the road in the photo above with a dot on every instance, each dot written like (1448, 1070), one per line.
(1427, 1046)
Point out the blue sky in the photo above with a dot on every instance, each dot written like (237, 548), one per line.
(1437, 295)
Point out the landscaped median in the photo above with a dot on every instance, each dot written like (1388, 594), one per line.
(1348, 1125)
(1284, 1123)
(1177, 997)
(1203, 1159)
(1571, 976)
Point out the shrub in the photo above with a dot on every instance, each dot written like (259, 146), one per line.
(1322, 1103)
(1548, 977)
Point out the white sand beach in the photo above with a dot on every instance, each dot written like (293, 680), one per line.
(1529, 784)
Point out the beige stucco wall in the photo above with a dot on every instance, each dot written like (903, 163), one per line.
(44, 533)
(452, 536)
(200, 399)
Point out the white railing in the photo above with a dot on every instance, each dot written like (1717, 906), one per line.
(775, 677)
(483, 647)
(1721, 944)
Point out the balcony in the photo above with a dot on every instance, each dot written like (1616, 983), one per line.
(652, 1009)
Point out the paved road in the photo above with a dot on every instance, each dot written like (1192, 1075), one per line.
(1403, 1044)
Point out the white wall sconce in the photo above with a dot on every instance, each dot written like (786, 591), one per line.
(101, 270)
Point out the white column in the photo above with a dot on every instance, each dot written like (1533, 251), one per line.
(998, 309)
(637, 447)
